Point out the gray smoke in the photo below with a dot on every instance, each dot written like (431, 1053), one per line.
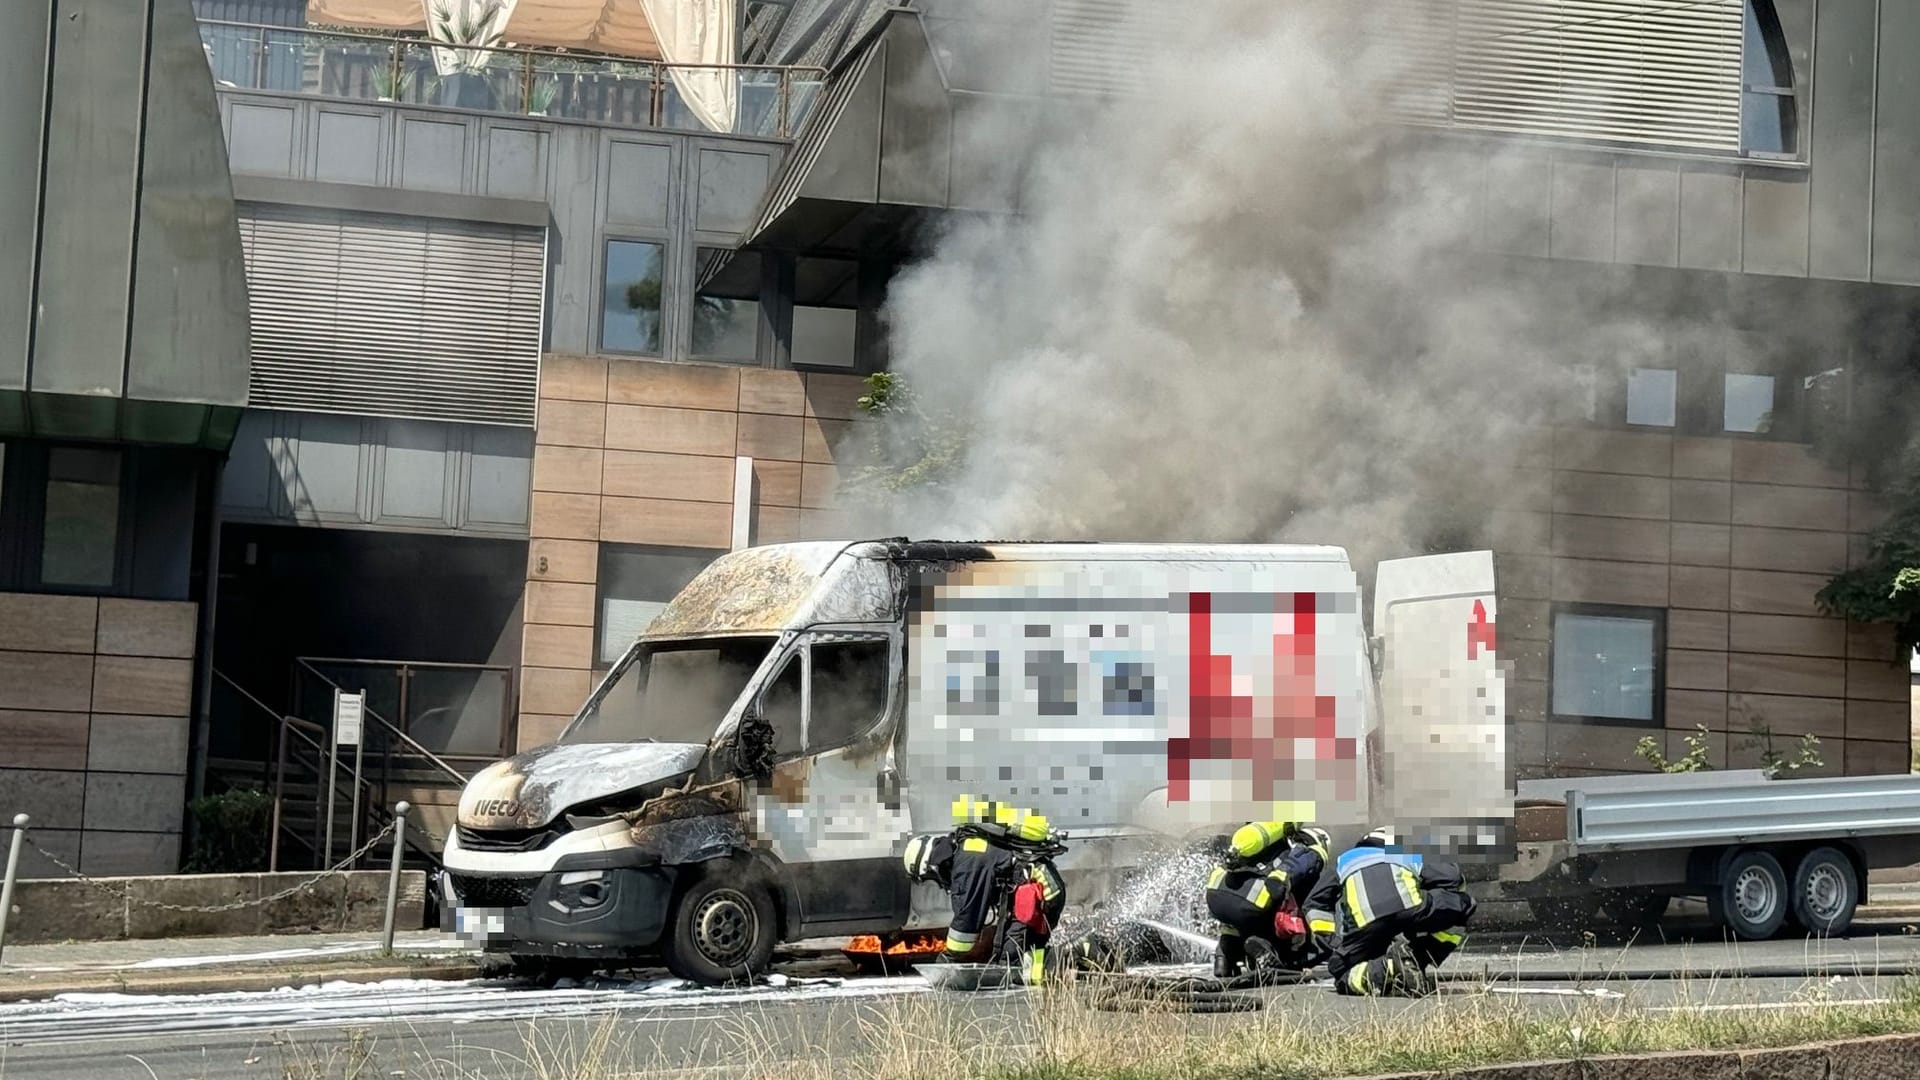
(1235, 308)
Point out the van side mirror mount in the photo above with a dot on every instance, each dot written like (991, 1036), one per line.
(889, 788)
(753, 749)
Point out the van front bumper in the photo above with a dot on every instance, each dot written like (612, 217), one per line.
(587, 905)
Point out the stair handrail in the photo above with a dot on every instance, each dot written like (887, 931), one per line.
(393, 730)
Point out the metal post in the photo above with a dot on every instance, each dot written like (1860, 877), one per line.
(393, 872)
(333, 770)
(279, 797)
(786, 98)
(13, 869)
(353, 808)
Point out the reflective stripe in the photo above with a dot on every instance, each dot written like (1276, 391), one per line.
(1279, 879)
(1357, 903)
(961, 937)
(1261, 896)
(1228, 931)
(1050, 884)
(1408, 884)
(1450, 937)
(973, 843)
(1218, 875)
(1036, 966)
(1357, 979)
(1320, 926)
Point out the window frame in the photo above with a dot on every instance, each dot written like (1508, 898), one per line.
(846, 637)
(759, 357)
(662, 347)
(1760, 19)
(1655, 615)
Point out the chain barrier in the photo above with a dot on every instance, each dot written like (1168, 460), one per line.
(127, 896)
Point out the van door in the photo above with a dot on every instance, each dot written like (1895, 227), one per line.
(826, 812)
(1444, 773)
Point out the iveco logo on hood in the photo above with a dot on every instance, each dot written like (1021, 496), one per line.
(496, 808)
(530, 790)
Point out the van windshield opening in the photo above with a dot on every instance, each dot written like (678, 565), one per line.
(669, 691)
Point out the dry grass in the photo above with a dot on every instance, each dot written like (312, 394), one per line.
(1062, 1035)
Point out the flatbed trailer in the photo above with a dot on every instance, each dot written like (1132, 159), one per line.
(1764, 854)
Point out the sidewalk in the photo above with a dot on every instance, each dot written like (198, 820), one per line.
(196, 965)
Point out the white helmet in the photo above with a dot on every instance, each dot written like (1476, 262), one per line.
(1319, 837)
(924, 854)
(1381, 837)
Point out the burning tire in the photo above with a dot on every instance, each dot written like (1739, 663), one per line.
(723, 928)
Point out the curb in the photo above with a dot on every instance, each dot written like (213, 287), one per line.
(1878, 1057)
(51, 984)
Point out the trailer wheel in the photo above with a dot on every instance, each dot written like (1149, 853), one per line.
(723, 928)
(1826, 890)
(1751, 899)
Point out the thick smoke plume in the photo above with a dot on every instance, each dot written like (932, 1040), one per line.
(1236, 307)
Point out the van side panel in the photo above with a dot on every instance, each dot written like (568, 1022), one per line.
(1445, 775)
(1133, 696)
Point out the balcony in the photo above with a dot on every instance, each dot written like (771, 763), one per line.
(764, 101)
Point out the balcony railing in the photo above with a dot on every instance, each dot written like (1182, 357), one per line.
(767, 101)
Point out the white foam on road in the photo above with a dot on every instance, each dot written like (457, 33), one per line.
(94, 1016)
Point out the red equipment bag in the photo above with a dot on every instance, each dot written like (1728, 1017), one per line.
(1287, 922)
(1029, 906)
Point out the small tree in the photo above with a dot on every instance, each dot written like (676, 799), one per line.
(1773, 763)
(910, 446)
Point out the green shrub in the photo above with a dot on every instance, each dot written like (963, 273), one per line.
(231, 832)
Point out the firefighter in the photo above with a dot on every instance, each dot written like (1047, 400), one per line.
(1258, 891)
(997, 866)
(1399, 914)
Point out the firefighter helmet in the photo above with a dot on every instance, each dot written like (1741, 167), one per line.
(1317, 837)
(922, 856)
(1380, 837)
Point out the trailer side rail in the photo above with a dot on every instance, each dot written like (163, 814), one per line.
(1772, 811)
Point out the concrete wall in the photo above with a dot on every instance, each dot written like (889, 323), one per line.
(642, 453)
(1733, 537)
(94, 699)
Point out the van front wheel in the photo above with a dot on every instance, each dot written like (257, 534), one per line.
(723, 927)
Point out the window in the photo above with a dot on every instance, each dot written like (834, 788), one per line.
(1748, 404)
(1768, 123)
(849, 692)
(726, 312)
(82, 526)
(1606, 664)
(630, 305)
(1652, 396)
(634, 586)
(823, 337)
(826, 293)
(780, 706)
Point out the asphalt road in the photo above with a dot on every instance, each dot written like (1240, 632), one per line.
(493, 1029)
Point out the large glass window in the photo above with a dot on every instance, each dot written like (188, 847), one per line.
(726, 311)
(1653, 396)
(1748, 405)
(81, 532)
(1606, 664)
(630, 301)
(635, 585)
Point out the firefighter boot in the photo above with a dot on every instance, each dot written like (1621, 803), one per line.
(1228, 956)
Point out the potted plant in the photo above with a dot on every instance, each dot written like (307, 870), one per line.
(391, 85)
(542, 96)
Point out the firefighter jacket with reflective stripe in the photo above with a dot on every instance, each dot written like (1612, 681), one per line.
(1382, 884)
(983, 873)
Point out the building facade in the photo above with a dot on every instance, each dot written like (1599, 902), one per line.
(437, 382)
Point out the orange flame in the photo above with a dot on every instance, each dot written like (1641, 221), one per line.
(910, 945)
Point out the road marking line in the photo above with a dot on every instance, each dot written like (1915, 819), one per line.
(1729, 1006)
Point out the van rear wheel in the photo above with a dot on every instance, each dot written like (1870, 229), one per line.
(723, 928)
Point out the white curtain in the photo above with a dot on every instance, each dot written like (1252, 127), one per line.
(448, 19)
(699, 32)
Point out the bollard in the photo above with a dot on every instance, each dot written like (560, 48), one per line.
(13, 869)
(393, 873)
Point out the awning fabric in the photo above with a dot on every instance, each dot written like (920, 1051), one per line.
(619, 27)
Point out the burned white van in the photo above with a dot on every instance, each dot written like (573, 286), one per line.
(748, 771)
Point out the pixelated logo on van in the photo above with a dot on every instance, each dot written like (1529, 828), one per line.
(1233, 716)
